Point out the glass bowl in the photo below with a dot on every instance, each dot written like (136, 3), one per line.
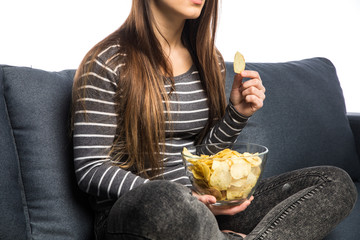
(228, 171)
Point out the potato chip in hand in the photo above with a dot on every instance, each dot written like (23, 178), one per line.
(239, 63)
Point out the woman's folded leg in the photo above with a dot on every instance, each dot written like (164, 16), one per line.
(161, 210)
(302, 204)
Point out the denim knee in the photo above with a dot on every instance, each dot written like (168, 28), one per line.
(162, 210)
(346, 189)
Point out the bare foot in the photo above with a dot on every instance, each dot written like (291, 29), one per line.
(241, 234)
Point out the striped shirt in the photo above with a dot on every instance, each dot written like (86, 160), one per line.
(95, 132)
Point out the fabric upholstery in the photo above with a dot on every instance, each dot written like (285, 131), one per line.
(42, 176)
(303, 121)
(354, 120)
(12, 218)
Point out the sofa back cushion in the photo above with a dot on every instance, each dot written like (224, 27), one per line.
(39, 197)
(303, 121)
(12, 219)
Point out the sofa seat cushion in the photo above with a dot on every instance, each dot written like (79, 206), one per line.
(303, 121)
(36, 123)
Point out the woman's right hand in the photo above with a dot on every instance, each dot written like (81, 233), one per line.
(209, 200)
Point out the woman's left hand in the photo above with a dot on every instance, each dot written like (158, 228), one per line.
(209, 200)
(247, 97)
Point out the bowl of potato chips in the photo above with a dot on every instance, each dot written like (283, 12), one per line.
(228, 171)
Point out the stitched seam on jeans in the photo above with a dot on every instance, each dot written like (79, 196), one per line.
(324, 177)
(280, 217)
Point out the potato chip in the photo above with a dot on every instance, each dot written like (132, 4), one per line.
(234, 192)
(247, 190)
(240, 169)
(251, 179)
(217, 163)
(197, 173)
(238, 182)
(253, 160)
(206, 171)
(186, 153)
(221, 178)
(256, 170)
(200, 170)
(239, 62)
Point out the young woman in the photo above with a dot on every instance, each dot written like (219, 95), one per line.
(156, 85)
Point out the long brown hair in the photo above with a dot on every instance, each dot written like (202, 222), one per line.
(140, 95)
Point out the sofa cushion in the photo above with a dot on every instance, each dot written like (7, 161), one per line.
(303, 121)
(12, 219)
(38, 107)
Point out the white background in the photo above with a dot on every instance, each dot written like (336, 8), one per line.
(55, 35)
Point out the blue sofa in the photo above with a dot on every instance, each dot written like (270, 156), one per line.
(303, 123)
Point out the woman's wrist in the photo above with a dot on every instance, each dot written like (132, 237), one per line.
(239, 116)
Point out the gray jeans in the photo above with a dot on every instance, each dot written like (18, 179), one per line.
(303, 204)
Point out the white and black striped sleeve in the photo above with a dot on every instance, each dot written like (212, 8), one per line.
(228, 128)
(94, 132)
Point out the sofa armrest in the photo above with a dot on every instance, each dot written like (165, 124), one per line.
(354, 120)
